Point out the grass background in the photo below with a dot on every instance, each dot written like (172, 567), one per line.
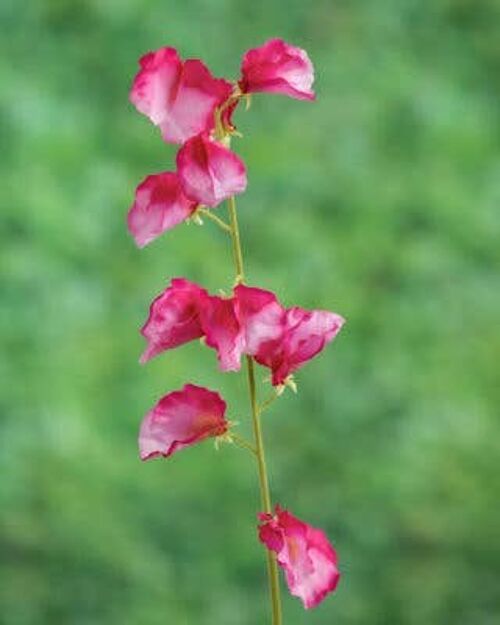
(379, 201)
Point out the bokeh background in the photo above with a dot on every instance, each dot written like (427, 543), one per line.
(379, 201)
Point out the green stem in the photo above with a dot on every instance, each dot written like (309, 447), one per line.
(235, 237)
(220, 222)
(244, 444)
(270, 400)
(272, 566)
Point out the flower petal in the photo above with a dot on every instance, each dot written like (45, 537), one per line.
(173, 318)
(223, 331)
(180, 419)
(305, 554)
(307, 333)
(178, 96)
(159, 205)
(278, 67)
(209, 172)
(261, 315)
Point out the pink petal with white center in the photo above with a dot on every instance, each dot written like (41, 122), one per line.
(305, 554)
(173, 318)
(180, 419)
(278, 67)
(159, 205)
(178, 96)
(223, 331)
(209, 172)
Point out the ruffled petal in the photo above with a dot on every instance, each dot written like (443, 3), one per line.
(279, 338)
(180, 419)
(209, 172)
(307, 333)
(278, 67)
(155, 81)
(159, 205)
(178, 96)
(173, 318)
(305, 554)
(261, 315)
(223, 331)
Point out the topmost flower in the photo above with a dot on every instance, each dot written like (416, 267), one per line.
(278, 67)
(178, 96)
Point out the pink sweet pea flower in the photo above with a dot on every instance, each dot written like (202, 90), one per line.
(306, 334)
(209, 172)
(251, 322)
(304, 553)
(178, 96)
(173, 318)
(180, 419)
(278, 67)
(159, 205)
(185, 311)
(279, 338)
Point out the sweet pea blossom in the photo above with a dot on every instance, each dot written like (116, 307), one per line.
(180, 419)
(209, 172)
(173, 318)
(159, 205)
(306, 333)
(280, 338)
(251, 322)
(178, 96)
(304, 553)
(184, 312)
(278, 67)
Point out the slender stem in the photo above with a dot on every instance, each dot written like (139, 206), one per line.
(220, 222)
(259, 443)
(272, 567)
(235, 237)
(241, 442)
(270, 400)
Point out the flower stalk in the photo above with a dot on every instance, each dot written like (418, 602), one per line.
(203, 212)
(272, 566)
(265, 495)
(241, 442)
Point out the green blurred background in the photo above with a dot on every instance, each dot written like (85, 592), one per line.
(379, 201)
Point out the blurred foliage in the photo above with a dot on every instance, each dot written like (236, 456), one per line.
(379, 201)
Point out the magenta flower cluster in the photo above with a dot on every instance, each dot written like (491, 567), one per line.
(194, 109)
